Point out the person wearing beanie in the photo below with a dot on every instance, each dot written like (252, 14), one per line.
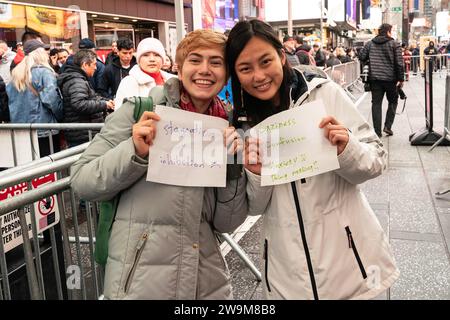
(150, 55)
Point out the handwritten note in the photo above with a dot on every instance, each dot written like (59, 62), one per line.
(188, 149)
(294, 147)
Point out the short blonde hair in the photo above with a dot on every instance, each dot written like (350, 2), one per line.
(199, 39)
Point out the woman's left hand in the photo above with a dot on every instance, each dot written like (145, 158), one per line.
(233, 141)
(335, 132)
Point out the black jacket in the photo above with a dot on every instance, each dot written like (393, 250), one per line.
(113, 74)
(385, 59)
(4, 109)
(320, 58)
(96, 80)
(81, 103)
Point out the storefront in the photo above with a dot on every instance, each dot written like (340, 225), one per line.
(60, 28)
(101, 21)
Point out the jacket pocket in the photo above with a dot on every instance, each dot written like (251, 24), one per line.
(266, 264)
(351, 244)
(139, 248)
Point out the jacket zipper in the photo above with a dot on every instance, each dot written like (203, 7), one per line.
(137, 256)
(305, 243)
(351, 245)
(266, 264)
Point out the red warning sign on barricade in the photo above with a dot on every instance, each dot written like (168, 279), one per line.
(46, 212)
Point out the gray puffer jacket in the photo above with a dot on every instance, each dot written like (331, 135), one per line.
(385, 59)
(162, 244)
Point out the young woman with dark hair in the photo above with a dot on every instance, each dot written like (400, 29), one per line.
(320, 238)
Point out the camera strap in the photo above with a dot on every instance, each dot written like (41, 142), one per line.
(404, 105)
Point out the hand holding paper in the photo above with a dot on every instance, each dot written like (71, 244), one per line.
(335, 132)
(144, 132)
(292, 145)
(189, 149)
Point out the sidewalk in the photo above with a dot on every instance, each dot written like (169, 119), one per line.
(417, 223)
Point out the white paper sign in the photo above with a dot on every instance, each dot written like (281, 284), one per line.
(188, 149)
(294, 147)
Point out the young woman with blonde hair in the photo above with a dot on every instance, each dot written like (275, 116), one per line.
(33, 94)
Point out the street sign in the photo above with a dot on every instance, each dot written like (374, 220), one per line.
(396, 9)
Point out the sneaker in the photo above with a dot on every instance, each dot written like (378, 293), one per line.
(389, 132)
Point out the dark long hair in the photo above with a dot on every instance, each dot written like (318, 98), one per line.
(244, 104)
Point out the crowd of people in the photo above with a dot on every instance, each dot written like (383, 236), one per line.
(298, 52)
(39, 84)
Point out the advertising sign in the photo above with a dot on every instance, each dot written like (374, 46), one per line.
(47, 21)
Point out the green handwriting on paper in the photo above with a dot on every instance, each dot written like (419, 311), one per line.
(297, 172)
(278, 125)
(310, 168)
(290, 162)
(285, 141)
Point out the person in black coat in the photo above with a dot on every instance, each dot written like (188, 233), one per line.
(386, 75)
(118, 69)
(319, 56)
(81, 103)
(4, 109)
(97, 78)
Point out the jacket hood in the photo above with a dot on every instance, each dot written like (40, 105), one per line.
(306, 79)
(116, 62)
(381, 39)
(71, 72)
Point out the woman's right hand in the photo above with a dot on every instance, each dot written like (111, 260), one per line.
(144, 132)
(252, 156)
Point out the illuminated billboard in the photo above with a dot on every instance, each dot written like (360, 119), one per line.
(219, 14)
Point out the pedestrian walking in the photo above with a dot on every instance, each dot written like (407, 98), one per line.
(162, 243)
(146, 74)
(407, 60)
(386, 75)
(320, 238)
(431, 52)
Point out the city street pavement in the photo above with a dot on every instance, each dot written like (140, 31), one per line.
(403, 198)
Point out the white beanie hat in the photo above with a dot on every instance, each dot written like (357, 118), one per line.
(150, 45)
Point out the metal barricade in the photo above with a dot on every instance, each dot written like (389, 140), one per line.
(21, 142)
(417, 64)
(82, 278)
(346, 75)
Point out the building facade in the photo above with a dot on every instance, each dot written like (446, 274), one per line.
(62, 23)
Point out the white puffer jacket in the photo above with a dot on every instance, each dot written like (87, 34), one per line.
(332, 246)
(136, 84)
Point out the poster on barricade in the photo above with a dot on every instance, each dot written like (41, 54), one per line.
(46, 212)
(19, 144)
(188, 149)
(293, 145)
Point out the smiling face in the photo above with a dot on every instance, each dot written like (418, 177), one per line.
(203, 74)
(259, 68)
(150, 62)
